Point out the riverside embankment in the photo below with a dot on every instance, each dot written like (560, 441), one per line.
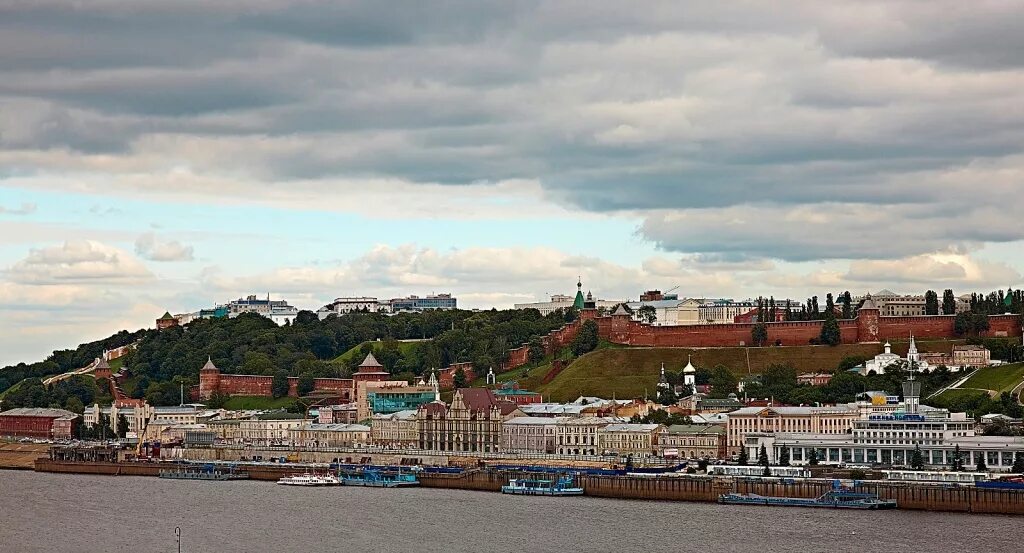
(967, 499)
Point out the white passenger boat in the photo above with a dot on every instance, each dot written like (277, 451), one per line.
(310, 480)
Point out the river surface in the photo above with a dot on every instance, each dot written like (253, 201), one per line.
(42, 512)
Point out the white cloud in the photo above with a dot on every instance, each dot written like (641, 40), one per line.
(150, 248)
(78, 261)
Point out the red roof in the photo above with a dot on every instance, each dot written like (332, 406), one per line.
(434, 408)
(477, 399)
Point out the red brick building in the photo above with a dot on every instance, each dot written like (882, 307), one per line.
(32, 422)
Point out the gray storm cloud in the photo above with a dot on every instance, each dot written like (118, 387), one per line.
(796, 132)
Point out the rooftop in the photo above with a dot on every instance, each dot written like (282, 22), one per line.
(797, 411)
(339, 427)
(38, 412)
(631, 427)
(696, 429)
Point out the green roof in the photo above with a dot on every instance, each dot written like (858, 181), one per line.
(578, 302)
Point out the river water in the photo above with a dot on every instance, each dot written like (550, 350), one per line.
(97, 514)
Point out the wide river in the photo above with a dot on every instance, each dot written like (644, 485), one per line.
(100, 514)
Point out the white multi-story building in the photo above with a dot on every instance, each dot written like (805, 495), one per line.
(669, 312)
(330, 435)
(530, 434)
(270, 428)
(395, 430)
(343, 306)
(578, 436)
(561, 301)
(141, 417)
(722, 310)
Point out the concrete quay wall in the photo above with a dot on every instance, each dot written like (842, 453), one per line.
(967, 499)
(235, 455)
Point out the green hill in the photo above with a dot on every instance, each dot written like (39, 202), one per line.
(997, 379)
(632, 372)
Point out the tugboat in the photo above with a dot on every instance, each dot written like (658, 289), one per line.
(837, 498)
(377, 479)
(564, 485)
(205, 472)
(310, 480)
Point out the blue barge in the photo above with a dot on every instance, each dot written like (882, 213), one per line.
(834, 499)
(562, 486)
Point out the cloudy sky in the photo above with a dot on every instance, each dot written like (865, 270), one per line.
(159, 155)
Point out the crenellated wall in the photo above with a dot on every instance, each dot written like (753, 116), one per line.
(868, 327)
(211, 381)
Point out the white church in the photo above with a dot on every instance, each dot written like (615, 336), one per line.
(878, 364)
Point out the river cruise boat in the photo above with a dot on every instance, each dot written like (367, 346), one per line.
(834, 499)
(563, 485)
(378, 479)
(310, 480)
(205, 472)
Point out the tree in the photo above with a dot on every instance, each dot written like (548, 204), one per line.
(784, 457)
(647, 314)
(586, 339)
(767, 471)
(847, 305)
(459, 379)
(742, 460)
(830, 333)
(217, 400)
(74, 405)
(722, 382)
(305, 385)
(759, 334)
(279, 384)
(762, 456)
(981, 466)
(536, 350)
(957, 462)
(122, 426)
(812, 458)
(931, 303)
(948, 303)
(916, 459)
(970, 324)
(1018, 463)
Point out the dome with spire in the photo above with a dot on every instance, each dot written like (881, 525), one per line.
(689, 368)
(209, 366)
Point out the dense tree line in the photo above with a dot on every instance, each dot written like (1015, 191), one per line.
(73, 394)
(250, 344)
(62, 361)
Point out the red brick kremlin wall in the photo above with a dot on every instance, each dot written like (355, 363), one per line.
(255, 385)
(867, 327)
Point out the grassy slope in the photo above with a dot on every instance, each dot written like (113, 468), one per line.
(256, 402)
(950, 395)
(629, 372)
(999, 379)
(404, 347)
